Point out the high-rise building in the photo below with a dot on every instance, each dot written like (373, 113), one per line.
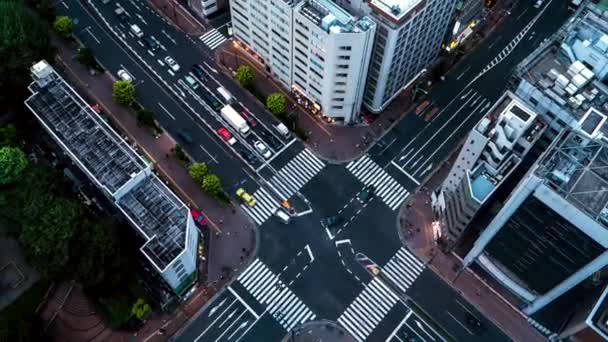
(313, 47)
(408, 39)
(206, 8)
(493, 150)
(157, 215)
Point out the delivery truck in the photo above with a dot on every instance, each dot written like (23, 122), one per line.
(235, 120)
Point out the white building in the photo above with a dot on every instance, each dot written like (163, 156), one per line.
(124, 176)
(313, 47)
(492, 151)
(206, 8)
(408, 39)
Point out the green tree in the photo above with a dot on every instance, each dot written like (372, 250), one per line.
(140, 308)
(23, 41)
(245, 76)
(63, 25)
(8, 135)
(94, 254)
(198, 171)
(123, 92)
(12, 164)
(48, 239)
(146, 118)
(275, 103)
(85, 57)
(212, 185)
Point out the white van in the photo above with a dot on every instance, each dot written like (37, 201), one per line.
(137, 31)
(282, 215)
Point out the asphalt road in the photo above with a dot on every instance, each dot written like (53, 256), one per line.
(303, 271)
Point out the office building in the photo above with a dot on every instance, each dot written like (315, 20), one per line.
(206, 8)
(492, 151)
(408, 39)
(312, 47)
(155, 212)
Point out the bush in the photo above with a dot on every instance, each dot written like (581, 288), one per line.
(12, 164)
(180, 155)
(198, 171)
(245, 76)
(63, 26)
(146, 118)
(140, 308)
(275, 103)
(123, 92)
(116, 310)
(85, 57)
(8, 135)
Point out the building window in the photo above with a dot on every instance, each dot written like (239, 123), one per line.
(344, 58)
(340, 83)
(337, 107)
(338, 91)
(341, 75)
(342, 66)
(338, 99)
(345, 48)
(533, 101)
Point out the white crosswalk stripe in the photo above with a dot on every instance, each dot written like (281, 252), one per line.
(368, 309)
(291, 178)
(212, 39)
(280, 301)
(387, 188)
(403, 269)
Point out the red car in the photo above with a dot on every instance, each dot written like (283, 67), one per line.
(199, 219)
(249, 118)
(223, 132)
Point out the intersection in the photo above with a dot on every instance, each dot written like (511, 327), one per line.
(301, 272)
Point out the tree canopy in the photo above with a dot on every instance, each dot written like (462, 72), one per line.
(123, 92)
(245, 76)
(198, 171)
(212, 185)
(276, 103)
(23, 41)
(8, 135)
(63, 25)
(12, 164)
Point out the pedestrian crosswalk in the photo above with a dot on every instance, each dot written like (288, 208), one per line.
(368, 309)
(213, 38)
(269, 290)
(386, 187)
(403, 269)
(293, 176)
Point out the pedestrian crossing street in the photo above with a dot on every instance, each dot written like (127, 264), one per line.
(403, 269)
(291, 178)
(386, 187)
(269, 290)
(213, 38)
(368, 309)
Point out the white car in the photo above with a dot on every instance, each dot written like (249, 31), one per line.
(264, 151)
(124, 75)
(172, 63)
(538, 3)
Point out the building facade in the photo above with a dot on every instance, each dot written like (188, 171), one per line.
(157, 215)
(492, 151)
(206, 8)
(313, 47)
(408, 39)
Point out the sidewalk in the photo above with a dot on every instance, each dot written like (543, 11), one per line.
(232, 237)
(318, 331)
(416, 233)
(179, 16)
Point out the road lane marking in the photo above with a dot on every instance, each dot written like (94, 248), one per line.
(405, 173)
(244, 303)
(166, 111)
(312, 258)
(88, 29)
(459, 323)
(212, 157)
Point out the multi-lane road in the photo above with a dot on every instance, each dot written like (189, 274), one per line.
(304, 272)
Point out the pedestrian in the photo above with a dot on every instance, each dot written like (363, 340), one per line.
(221, 221)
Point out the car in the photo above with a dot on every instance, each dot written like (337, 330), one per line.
(473, 322)
(123, 17)
(124, 75)
(185, 136)
(249, 118)
(172, 63)
(199, 219)
(245, 197)
(151, 43)
(538, 3)
(248, 156)
(264, 151)
(191, 82)
(223, 132)
(198, 71)
(366, 194)
(330, 221)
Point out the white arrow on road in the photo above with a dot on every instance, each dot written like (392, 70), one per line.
(215, 308)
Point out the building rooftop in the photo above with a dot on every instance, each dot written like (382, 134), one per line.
(598, 318)
(85, 135)
(576, 167)
(111, 163)
(500, 141)
(332, 18)
(396, 10)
